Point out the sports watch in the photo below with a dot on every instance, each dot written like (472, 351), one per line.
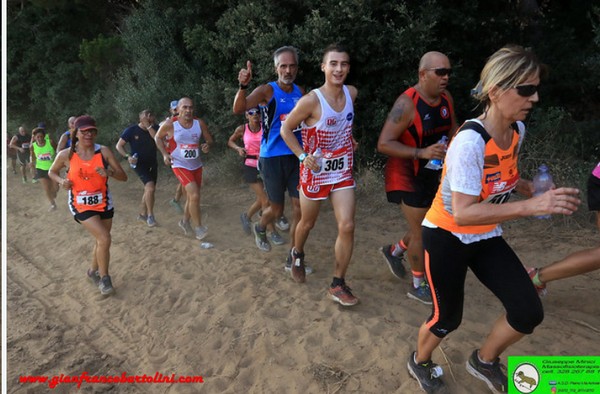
(302, 157)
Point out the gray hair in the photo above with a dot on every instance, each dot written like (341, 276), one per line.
(284, 49)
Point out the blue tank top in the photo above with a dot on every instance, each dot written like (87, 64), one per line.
(275, 112)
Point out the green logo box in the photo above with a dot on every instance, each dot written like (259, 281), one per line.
(553, 374)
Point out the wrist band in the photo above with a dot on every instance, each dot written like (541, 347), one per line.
(243, 87)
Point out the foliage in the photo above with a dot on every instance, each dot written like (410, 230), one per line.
(111, 59)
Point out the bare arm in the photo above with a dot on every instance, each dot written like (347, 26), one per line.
(399, 119)
(260, 95)
(121, 147)
(60, 162)
(303, 111)
(207, 137)
(62, 142)
(164, 131)
(237, 134)
(454, 125)
(468, 211)
(13, 144)
(32, 157)
(525, 188)
(115, 170)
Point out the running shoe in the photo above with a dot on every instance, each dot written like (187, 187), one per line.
(151, 221)
(394, 262)
(260, 238)
(34, 180)
(541, 288)
(24, 180)
(343, 295)
(288, 265)
(142, 218)
(421, 293)
(175, 204)
(298, 272)
(282, 224)
(186, 227)
(52, 208)
(105, 285)
(494, 375)
(201, 232)
(428, 375)
(94, 276)
(246, 224)
(276, 238)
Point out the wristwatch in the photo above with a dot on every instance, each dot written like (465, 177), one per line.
(302, 157)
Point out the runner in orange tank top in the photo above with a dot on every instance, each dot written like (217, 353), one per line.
(89, 166)
(461, 231)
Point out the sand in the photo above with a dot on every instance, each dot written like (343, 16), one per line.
(233, 316)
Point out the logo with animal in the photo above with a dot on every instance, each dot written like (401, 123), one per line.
(526, 378)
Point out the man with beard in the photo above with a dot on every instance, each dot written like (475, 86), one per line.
(278, 165)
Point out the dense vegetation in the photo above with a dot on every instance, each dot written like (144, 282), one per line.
(113, 58)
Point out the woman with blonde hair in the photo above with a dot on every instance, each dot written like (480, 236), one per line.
(462, 229)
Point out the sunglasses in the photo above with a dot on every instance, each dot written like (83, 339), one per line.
(252, 112)
(441, 72)
(90, 131)
(526, 90)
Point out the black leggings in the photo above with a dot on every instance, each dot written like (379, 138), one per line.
(495, 265)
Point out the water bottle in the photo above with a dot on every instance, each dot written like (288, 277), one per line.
(133, 165)
(542, 182)
(318, 155)
(206, 245)
(436, 164)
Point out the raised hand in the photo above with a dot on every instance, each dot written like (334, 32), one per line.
(245, 74)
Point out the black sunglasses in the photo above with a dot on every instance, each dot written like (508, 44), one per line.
(526, 90)
(252, 112)
(441, 72)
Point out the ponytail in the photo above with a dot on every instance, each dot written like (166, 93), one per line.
(74, 140)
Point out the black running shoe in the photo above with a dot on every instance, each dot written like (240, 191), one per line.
(494, 375)
(394, 263)
(105, 285)
(298, 271)
(428, 375)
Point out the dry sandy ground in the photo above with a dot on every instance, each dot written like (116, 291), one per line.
(232, 315)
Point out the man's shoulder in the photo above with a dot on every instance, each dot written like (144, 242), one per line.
(132, 129)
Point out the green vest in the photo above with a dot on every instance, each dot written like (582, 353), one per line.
(44, 155)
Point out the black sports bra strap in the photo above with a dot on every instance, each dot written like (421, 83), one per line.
(478, 128)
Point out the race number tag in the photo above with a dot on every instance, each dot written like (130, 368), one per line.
(190, 151)
(45, 157)
(500, 191)
(25, 145)
(89, 199)
(333, 164)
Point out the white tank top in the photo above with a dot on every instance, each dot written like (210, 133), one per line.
(187, 150)
(333, 134)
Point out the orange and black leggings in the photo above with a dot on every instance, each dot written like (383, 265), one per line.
(496, 266)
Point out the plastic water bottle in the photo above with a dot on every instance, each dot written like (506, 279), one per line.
(206, 245)
(436, 164)
(133, 165)
(542, 182)
(318, 155)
